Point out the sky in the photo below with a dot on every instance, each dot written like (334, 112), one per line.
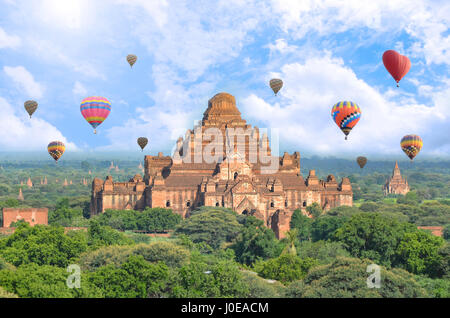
(59, 52)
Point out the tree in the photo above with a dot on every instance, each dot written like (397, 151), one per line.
(324, 227)
(410, 198)
(369, 207)
(6, 265)
(302, 223)
(324, 252)
(209, 277)
(343, 211)
(4, 189)
(417, 252)
(285, 268)
(86, 166)
(291, 237)
(9, 203)
(64, 216)
(262, 288)
(105, 255)
(99, 235)
(45, 281)
(5, 294)
(437, 288)
(443, 268)
(41, 244)
(314, 209)
(158, 220)
(169, 253)
(149, 220)
(370, 235)
(135, 278)
(347, 278)
(255, 241)
(212, 227)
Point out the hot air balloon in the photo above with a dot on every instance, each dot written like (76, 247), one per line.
(131, 58)
(142, 142)
(361, 161)
(95, 110)
(346, 115)
(56, 149)
(411, 145)
(276, 84)
(30, 106)
(396, 64)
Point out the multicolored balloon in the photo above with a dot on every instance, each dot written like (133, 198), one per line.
(361, 161)
(131, 58)
(276, 84)
(95, 110)
(396, 64)
(411, 145)
(30, 106)
(142, 142)
(346, 115)
(56, 149)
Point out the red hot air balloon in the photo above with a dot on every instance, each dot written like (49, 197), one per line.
(95, 110)
(396, 64)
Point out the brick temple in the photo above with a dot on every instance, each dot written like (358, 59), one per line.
(245, 177)
(31, 215)
(396, 184)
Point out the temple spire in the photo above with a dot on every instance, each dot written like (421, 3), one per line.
(20, 197)
(396, 171)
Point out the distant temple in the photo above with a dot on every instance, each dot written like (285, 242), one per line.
(31, 215)
(396, 184)
(20, 196)
(245, 178)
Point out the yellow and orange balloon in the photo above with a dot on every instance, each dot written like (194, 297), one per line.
(346, 115)
(56, 149)
(411, 145)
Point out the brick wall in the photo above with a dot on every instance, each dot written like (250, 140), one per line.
(435, 230)
(31, 215)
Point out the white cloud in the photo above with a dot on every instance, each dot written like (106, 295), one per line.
(302, 112)
(25, 80)
(157, 10)
(174, 111)
(282, 46)
(192, 38)
(185, 40)
(8, 41)
(425, 21)
(79, 89)
(19, 132)
(54, 54)
(160, 127)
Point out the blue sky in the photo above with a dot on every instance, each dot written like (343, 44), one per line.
(59, 52)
